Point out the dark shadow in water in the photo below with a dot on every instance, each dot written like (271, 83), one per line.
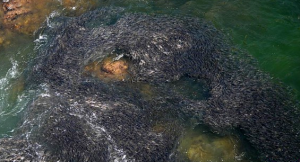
(192, 88)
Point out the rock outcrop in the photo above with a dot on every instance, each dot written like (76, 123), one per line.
(26, 16)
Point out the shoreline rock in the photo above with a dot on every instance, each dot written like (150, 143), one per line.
(26, 16)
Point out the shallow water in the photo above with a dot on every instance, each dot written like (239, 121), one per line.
(199, 144)
(269, 30)
(13, 98)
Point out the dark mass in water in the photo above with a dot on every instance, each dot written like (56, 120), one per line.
(114, 91)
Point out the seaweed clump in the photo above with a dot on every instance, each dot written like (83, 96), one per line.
(83, 115)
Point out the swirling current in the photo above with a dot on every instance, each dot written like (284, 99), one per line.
(84, 115)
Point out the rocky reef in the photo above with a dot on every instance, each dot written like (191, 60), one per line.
(84, 114)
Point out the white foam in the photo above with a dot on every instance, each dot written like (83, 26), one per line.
(5, 84)
(116, 154)
(118, 57)
(51, 16)
(13, 71)
(40, 41)
(42, 38)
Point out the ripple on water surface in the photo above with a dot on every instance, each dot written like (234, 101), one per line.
(13, 98)
(19, 21)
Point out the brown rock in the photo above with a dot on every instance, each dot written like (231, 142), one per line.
(197, 146)
(5, 37)
(108, 69)
(24, 16)
(15, 8)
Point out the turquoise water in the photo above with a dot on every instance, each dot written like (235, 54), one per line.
(269, 30)
(13, 96)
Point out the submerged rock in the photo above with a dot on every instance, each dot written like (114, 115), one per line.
(84, 118)
(200, 145)
(26, 16)
(17, 14)
(5, 37)
(203, 149)
(109, 68)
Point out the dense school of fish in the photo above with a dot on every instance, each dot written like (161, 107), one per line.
(83, 118)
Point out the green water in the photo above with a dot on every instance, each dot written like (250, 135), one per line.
(269, 30)
(13, 96)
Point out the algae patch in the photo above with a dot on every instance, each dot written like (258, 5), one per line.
(200, 145)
